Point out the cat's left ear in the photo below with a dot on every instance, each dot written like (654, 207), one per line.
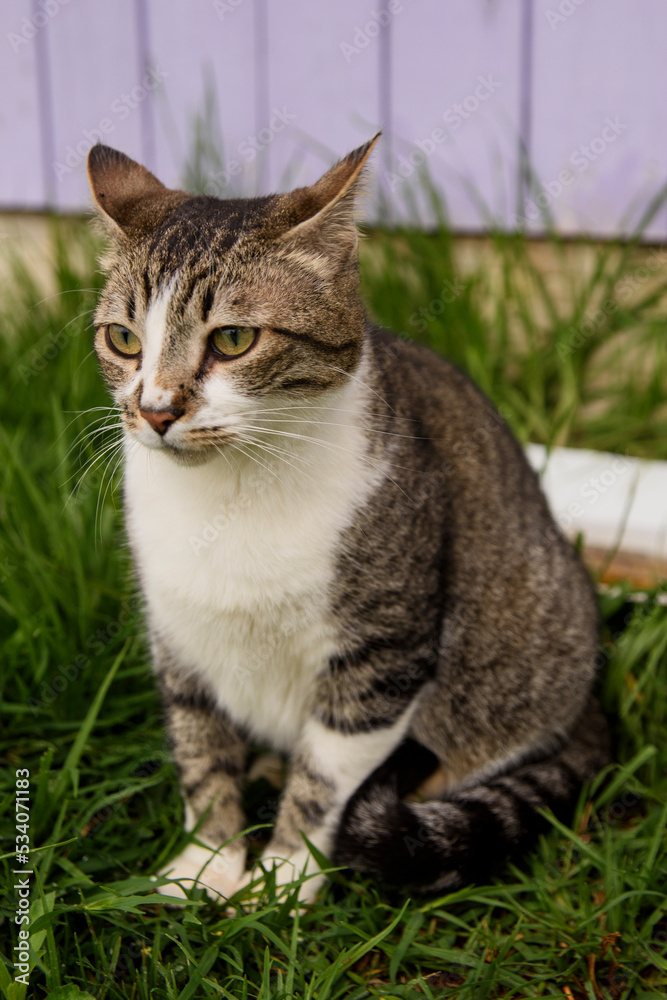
(128, 197)
(321, 218)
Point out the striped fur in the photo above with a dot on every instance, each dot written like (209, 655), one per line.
(343, 552)
(431, 847)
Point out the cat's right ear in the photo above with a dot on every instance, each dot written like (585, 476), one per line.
(128, 197)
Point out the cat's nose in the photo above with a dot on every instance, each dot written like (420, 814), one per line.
(160, 419)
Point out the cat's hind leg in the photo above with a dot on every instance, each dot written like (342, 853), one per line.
(461, 837)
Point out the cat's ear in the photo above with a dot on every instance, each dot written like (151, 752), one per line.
(129, 198)
(322, 218)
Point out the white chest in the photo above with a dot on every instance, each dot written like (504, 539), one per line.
(236, 571)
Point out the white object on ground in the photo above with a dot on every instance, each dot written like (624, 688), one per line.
(608, 498)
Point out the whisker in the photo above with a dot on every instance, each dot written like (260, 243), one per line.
(87, 436)
(335, 423)
(279, 453)
(98, 432)
(67, 291)
(99, 508)
(75, 418)
(254, 458)
(361, 382)
(84, 360)
(321, 406)
(316, 440)
(337, 447)
(96, 455)
(91, 465)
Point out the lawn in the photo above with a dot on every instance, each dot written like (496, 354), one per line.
(574, 356)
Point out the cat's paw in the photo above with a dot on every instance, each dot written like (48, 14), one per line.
(287, 870)
(218, 872)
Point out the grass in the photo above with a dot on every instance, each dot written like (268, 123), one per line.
(582, 916)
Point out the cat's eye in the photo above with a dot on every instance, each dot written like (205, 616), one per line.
(122, 340)
(231, 341)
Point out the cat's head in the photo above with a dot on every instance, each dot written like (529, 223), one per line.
(214, 310)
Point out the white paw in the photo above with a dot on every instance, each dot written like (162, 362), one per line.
(287, 870)
(219, 873)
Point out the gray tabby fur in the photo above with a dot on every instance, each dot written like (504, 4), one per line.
(463, 625)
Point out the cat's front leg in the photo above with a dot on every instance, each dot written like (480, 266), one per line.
(210, 755)
(359, 718)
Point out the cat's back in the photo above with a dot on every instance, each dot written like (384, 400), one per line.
(473, 453)
(504, 548)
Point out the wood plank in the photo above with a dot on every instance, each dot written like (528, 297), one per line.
(464, 54)
(318, 74)
(642, 571)
(601, 64)
(21, 168)
(97, 86)
(193, 42)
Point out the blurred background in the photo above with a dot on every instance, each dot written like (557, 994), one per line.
(515, 222)
(517, 203)
(521, 111)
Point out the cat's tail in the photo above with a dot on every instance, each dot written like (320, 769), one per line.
(437, 846)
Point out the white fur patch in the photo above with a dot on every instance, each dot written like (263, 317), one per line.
(349, 758)
(236, 560)
(154, 396)
(218, 872)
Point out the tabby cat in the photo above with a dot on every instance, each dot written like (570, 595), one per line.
(343, 552)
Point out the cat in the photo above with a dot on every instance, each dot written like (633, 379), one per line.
(343, 552)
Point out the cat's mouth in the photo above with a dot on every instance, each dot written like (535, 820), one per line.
(190, 446)
(185, 453)
(189, 456)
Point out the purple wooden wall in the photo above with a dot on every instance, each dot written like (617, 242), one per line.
(477, 90)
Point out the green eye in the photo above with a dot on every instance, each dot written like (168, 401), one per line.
(122, 340)
(233, 340)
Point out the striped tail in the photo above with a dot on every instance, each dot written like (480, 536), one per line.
(438, 846)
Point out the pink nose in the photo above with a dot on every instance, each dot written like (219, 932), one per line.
(159, 421)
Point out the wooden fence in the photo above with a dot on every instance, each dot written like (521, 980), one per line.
(518, 109)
